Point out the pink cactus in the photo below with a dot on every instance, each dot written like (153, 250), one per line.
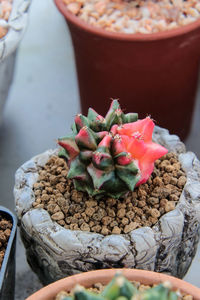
(137, 140)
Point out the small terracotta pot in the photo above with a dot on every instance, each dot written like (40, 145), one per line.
(152, 74)
(104, 276)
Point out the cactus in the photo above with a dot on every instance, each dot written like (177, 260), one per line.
(110, 156)
(121, 289)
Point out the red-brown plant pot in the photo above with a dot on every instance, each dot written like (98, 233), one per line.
(104, 276)
(152, 74)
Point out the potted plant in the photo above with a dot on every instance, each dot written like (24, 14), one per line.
(119, 286)
(8, 227)
(156, 227)
(13, 22)
(161, 67)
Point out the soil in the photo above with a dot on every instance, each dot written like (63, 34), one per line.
(5, 231)
(77, 211)
(99, 287)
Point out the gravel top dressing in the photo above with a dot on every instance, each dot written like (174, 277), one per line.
(147, 16)
(5, 10)
(77, 211)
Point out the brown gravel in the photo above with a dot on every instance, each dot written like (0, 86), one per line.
(136, 16)
(77, 211)
(5, 231)
(5, 10)
(99, 287)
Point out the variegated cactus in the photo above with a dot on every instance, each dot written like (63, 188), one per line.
(111, 155)
(121, 289)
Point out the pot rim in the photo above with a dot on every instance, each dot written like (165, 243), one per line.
(105, 275)
(138, 37)
(7, 212)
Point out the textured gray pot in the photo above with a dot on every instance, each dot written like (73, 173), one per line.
(8, 45)
(54, 252)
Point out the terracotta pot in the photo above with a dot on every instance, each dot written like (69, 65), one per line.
(152, 74)
(104, 276)
(55, 252)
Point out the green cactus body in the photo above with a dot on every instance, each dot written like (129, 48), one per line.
(98, 162)
(121, 289)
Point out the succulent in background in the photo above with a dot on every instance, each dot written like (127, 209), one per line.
(121, 289)
(111, 155)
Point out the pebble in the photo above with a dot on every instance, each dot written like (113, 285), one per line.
(169, 206)
(90, 211)
(53, 208)
(181, 181)
(85, 227)
(130, 227)
(121, 213)
(155, 213)
(116, 230)
(58, 216)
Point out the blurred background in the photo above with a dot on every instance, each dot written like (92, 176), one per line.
(42, 102)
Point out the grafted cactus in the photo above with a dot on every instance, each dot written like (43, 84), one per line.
(121, 289)
(111, 155)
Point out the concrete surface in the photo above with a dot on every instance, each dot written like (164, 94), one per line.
(41, 105)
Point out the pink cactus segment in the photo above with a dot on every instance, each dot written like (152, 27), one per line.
(86, 138)
(106, 141)
(118, 111)
(101, 134)
(83, 133)
(70, 146)
(118, 145)
(114, 129)
(143, 127)
(100, 118)
(99, 156)
(78, 121)
(146, 163)
(137, 139)
(98, 172)
(134, 145)
(124, 160)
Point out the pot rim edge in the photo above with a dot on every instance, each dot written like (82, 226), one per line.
(105, 275)
(167, 34)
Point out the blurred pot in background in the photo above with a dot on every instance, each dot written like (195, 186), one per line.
(154, 73)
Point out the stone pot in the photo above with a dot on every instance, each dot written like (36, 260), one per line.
(54, 252)
(8, 47)
(104, 276)
(161, 68)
